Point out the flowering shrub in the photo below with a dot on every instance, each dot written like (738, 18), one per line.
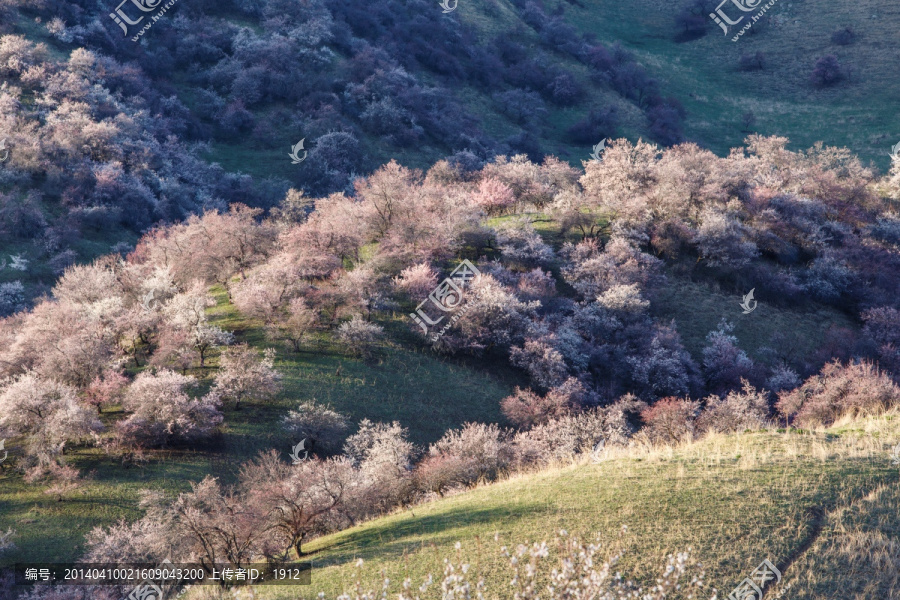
(837, 390)
(464, 456)
(747, 409)
(670, 421)
(359, 336)
(493, 196)
(163, 412)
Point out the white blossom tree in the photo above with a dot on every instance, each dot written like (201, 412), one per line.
(45, 413)
(243, 375)
(163, 412)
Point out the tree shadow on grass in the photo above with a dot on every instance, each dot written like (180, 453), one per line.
(393, 538)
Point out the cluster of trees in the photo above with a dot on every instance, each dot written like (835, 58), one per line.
(95, 147)
(801, 227)
(334, 70)
(64, 362)
(577, 319)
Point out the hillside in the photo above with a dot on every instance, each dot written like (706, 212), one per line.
(371, 281)
(362, 87)
(821, 506)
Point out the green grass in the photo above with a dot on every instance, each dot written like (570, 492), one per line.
(734, 500)
(860, 113)
(424, 393)
(697, 308)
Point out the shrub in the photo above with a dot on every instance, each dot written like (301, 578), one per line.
(665, 124)
(843, 37)
(162, 411)
(543, 362)
(853, 389)
(724, 364)
(693, 19)
(243, 375)
(493, 196)
(522, 106)
(383, 455)
(322, 426)
(12, 298)
(417, 281)
(827, 71)
(45, 413)
(599, 124)
(359, 336)
(465, 456)
(883, 326)
(752, 62)
(525, 408)
(670, 421)
(746, 409)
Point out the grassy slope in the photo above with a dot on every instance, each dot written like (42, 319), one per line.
(425, 393)
(734, 499)
(861, 113)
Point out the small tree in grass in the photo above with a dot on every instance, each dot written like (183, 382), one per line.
(163, 412)
(360, 336)
(243, 375)
(45, 413)
(323, 427)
